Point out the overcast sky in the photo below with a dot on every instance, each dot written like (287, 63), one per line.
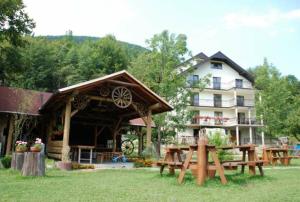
(246, 31)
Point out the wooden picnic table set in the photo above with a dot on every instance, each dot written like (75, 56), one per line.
(272, 155)
(201, 167)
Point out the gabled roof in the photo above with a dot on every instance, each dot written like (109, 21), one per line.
(22, 101)
(219, 56)
(121, 76)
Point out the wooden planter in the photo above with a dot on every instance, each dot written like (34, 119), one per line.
(34, 164)
(17, 160)
(35, 149)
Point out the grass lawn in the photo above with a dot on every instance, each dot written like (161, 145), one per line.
(279, 184)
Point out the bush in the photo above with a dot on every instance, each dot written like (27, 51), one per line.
(82, 166)
(6, 161)
(142, 163)
(218, 140)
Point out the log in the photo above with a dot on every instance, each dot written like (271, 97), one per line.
(54, 156)
(34, 164)
(17, 161)
(55, 143)
(56, 150)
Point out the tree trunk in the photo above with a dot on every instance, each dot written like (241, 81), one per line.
(158, 141)
(34, 164)
(17, 161)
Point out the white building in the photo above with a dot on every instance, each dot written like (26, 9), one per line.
(227, 102)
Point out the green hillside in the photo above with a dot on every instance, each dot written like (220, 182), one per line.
(132, 50)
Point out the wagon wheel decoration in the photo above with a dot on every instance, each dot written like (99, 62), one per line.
(80, 102)
(127, 147)
(122, 97)
(104, 91)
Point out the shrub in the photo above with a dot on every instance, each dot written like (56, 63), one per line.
(142, 163)
(6, 161)
(76, 166)
(218, 140)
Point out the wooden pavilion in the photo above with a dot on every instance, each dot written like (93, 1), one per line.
(93, 113)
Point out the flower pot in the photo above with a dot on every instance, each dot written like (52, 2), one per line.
(21, 149)
(211, 173)
(35, 149)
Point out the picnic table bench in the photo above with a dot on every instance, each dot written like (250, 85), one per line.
(273, 155)
(201, 167)
(252, 162)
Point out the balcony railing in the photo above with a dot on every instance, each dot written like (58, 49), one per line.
(229, 85)
(223, 103)
(223, 121)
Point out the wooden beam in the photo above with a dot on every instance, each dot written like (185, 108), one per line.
(149, 121)
(74, 112)
(155, 106)
(10, 135)
(141, 115)
(123, 83)
(93, 97)
(67, 122)
(115, 131)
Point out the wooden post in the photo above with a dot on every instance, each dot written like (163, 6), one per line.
(96, 136)
(115, 132)
(140, 136)
(201, 160)
(67, 122)
(251, 157)
(10, 135)
(149, 122)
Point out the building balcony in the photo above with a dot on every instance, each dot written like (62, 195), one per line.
(223, 103)
(225, 85)
(223, 121)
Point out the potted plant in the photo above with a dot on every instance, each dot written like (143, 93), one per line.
(21, 146)
(37, 147)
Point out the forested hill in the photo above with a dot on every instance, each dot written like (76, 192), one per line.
(48, 63)
(131, 49)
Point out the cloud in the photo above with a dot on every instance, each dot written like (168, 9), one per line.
(253, 20)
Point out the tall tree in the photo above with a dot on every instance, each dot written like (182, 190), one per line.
(14, 23)
(277, 93)
(158, 70)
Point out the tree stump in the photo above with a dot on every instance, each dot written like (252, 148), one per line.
(17, 161)
(34, 164)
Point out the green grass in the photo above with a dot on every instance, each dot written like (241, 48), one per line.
(279, 184)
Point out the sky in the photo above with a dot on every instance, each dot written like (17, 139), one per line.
(247, 31)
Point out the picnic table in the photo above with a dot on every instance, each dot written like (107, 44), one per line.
(272, 155)
(252, 161)
(172, 159)
(201, 167)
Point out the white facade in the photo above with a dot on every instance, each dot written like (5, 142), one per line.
(228, 101)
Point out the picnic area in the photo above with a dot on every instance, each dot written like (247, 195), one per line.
(278, 184)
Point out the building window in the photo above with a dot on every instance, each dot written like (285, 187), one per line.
(195, 99)
(217, 100)
(217, 83)
(239, 83)
(193, 80)
(241, 118)
(240, 100)
(218, 118)
(195, 119)
(216, 65)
